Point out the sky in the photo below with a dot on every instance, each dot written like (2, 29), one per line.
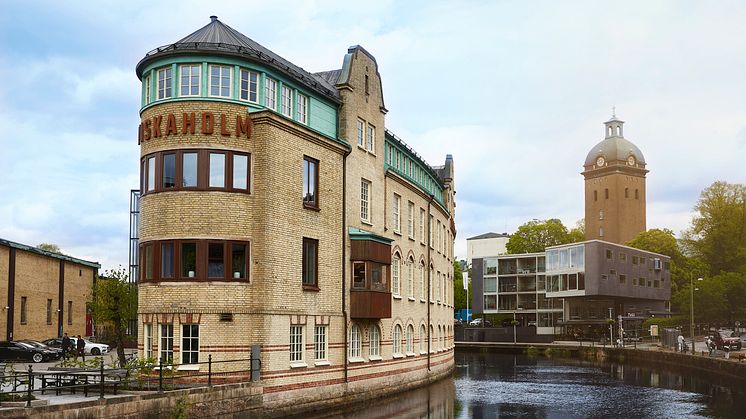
(516, 91)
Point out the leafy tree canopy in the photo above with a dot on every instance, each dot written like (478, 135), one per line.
(664, 242)
(537, 235)
(459, 293)
(718, 232)
(49, 247)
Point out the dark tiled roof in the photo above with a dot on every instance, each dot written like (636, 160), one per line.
(38, 251)
(331, 76)
(489, 236)
(217, 37)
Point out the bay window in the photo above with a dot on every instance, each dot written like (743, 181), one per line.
(196, 169)
(195, 260)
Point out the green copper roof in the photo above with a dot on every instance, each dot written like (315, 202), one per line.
(358, 234)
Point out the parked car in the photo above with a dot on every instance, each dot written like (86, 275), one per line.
(20, 351)
(56, 351)
(718, 341)
(90, 347)
(480, 322)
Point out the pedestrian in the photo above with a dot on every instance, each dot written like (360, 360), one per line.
(66, 346)
(81, 347)
(681, 342)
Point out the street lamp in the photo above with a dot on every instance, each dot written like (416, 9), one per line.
(611, 327)
(691, 326)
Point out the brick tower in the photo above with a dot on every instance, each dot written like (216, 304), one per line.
(614, 173)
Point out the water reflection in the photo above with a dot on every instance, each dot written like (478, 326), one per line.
(488, 385)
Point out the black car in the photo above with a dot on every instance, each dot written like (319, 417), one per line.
(19, 351)
(57, 352)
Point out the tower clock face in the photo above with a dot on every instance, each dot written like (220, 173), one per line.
(600, 161)
(631, 160)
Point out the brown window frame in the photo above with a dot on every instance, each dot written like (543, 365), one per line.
(201, 265)
(315, 204)
(203, 171)
(307, 285)
(384, 283)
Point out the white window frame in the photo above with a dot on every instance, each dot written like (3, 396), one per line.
(221, 77)
(286, 102)
(430, 227)
(395, 275)
(410, 274)
(374, 337)
(321, 343)
(410, 220)
(423, 339)
(189, 85)
(248, 73)
(356, 343)
(302, 108)
(147, 89)
(423, 290)
(147, 332)
(297, 344)
(164, 85)
(184, 327)
(162, 339)
(360, 133)
(409, 340)
(422, 225)
(365, 187)
(150, 183)
(397, 213)
(270, 93)
(396, 348)
(370, 143)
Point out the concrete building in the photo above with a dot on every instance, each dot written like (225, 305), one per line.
(46, 293)
(486, 245)
(278, 211)
(614, 172)
(515, 285)
(600, 281)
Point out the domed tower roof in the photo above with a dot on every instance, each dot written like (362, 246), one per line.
(615, 148)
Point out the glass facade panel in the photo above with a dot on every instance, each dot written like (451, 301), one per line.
(490, 266)
(490, 285)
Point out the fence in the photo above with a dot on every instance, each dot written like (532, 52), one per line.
(21, 385)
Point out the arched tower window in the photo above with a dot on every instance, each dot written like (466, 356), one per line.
(606, 193)
(601, 214)
(626, 192)
(600, 232)
(595, 195)
(637, 194)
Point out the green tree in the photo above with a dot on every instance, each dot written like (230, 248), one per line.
(459, 293)
(717, 300)
(718, 232)
(49, 247)
(537, 235)
(115, 303)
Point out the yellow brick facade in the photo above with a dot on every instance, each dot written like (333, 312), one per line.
(37, 282)
(235, 315)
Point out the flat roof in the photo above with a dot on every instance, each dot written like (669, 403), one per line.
(32, 249)
(605, 242)
(489, 236)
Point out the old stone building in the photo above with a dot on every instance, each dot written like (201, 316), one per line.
(278, 211)
(46, 292)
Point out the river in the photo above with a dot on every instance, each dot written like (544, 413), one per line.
(492, 385)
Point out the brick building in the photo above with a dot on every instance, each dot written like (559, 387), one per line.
(46, 292)
(277, 210)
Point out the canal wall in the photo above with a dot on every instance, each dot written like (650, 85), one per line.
(651, 357)
(235, 400)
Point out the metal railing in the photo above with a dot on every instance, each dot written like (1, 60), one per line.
(159, 377)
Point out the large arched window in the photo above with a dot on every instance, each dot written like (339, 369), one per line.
(356, 343)
(410, 276)
(423, 336)
(410, 337)
(423, 293)
(375, 341)
(395, 278)
(397, 340)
